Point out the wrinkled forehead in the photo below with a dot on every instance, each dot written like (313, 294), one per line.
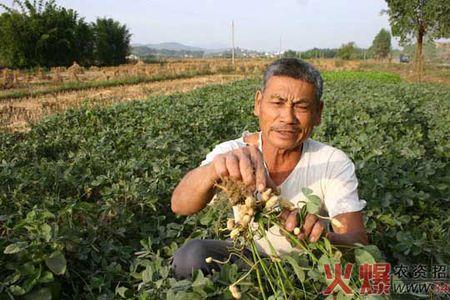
(289, 87)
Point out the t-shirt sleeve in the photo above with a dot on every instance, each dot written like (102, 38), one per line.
(220, 149)
(341, 186)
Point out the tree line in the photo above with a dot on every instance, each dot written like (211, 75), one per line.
(40, 33)
(380, 49)
(422, 21)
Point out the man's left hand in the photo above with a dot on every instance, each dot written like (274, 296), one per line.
(350, 231)
(312, 228)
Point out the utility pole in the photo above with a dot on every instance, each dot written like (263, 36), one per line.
(280, 48)
(232, 43)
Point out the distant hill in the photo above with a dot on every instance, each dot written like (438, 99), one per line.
(174, 49)
(173, 46)
(166, 50)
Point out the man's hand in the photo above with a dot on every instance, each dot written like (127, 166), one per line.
(350, 230)
(312, 228)
(196, 188)
(245, 164)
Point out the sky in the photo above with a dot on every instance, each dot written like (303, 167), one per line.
(259, 24)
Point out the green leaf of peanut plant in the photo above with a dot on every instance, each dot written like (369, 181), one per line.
(14, 248)
(314, 204)
(16, 290)
(374, 252)
(307, 191)
(56, 262)
(364, 257)
(297, 269)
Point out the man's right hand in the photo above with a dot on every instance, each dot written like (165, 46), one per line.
(245, 164)
(196, 188)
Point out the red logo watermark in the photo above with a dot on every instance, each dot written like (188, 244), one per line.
(338, 279)
(376, 279)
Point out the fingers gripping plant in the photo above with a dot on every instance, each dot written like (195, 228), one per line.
(299, 274)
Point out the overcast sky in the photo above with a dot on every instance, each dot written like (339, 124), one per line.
(259, 24)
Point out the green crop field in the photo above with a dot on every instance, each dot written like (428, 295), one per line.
(85, 196)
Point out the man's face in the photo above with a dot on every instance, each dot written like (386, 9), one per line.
(287, 111)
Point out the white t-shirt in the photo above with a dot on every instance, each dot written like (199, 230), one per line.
(327, 171)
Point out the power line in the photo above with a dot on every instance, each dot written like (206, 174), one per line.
(232, 42)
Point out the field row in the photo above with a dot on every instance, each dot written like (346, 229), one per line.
(16, 83)
(19, 114)
(27, 83)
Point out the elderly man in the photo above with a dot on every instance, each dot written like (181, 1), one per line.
(282, 155)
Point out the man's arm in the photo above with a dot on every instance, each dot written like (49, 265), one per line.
(350, 230)
(194, 191)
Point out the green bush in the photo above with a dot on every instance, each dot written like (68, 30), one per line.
(44, 34)
(382, 77)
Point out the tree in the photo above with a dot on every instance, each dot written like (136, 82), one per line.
(290, 53)
(40, 33)
(417, 18)
(381, 45)
(316, 52)
(15, 48)
(111, 42)
(347, 51)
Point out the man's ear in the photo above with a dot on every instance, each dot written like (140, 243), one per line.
(319, 113)
(257, 104)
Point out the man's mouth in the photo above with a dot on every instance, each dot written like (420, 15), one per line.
(287, 133)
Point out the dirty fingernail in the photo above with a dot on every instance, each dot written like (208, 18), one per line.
(289, 226)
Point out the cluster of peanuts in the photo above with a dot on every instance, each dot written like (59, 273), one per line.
(248, 204)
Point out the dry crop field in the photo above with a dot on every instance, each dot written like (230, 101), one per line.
(27, 96)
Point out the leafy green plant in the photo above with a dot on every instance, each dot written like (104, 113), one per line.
(95, 184)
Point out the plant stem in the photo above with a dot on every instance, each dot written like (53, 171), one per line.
(263, 264)
(258, 276)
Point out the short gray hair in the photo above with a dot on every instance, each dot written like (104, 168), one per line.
(297, 69)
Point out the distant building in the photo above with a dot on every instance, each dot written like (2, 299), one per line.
(443, 45)
(443, 51)
(132, 57)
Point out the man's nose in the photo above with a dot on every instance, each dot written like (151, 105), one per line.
(288, 114)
